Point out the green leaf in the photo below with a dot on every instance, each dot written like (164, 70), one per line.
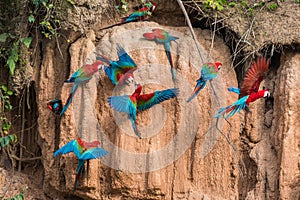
(11, 65)
(9, 92)
(26, 41)
(4, 88)
(31, 18)
(3, 37)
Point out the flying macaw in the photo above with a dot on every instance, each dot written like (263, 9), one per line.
(121, 71)
(137, 101)
(84, 151)
(161, 36)
(55, 105)
(82, 75)
(209, 71)
(250, 89)
(141, 14)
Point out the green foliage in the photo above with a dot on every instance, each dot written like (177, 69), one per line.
(12, 51)
(44, 15)
(123, 7)
(215, 4)
(272, 6)
(6, 140)
(297, 1)
(6, 107)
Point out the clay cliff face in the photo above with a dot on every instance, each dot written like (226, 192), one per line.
(182, 155)
(178, 157)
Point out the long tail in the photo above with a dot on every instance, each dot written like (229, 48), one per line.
(79, 171)
(229, 111)
(136, 131)
(200, 85)
(169, 56)
(70, 98)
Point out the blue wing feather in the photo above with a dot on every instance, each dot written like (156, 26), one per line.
(229, 111)
(159, 96)
(93, 153)
(71, 146)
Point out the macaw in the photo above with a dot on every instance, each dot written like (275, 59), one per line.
(84, 151)
(209, 71)
(250, 89)
(141, 14)
(161, 36)
(137, 101)
(121, 71)
(55, 105)
(82, 75)
(234, 90)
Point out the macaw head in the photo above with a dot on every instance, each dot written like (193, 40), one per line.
(151, 6)
(130, 79)
(218, 65)
(99, 64)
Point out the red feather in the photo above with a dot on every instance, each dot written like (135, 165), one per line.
(254, 76)
(145, 97)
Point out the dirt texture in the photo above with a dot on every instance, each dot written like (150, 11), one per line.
(182, 154)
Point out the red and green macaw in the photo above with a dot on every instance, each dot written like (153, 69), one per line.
(141, 14)
(209, 71)
(161, 36)
(84, 151)
(137, 101)
(82, 75)
(121, 71)
(249, 91)
(55, 105)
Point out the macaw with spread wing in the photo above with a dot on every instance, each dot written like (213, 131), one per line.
(84, 151)
(161, 36)
(121, 71)
(209, 71)
(82, 75)
(250, 89)
(55, 105)
(141, 14)
(137, 101)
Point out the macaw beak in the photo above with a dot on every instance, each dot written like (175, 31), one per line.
(219, 67)
(129, 80)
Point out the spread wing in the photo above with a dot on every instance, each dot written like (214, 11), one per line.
(93, 153)
(146, 101)
(72, 146)
(254, 76)
(120, 103)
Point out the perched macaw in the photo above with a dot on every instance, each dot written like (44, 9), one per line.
(84, 151)
(141, 14)
(250, 89)
(82, 75)
(121, 71)
(209, 71)
(55, 105)
(161, 36)
(137, 101)
(234, 90)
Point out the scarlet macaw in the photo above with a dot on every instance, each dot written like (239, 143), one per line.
(121, 71)
(209, 71)
(84, 151)
(250, 89)
(161, 36)
(137, 101)
(82, 75)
